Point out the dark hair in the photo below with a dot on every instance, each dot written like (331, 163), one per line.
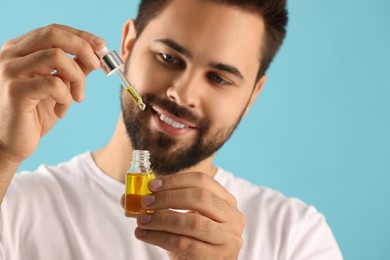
(273, 12)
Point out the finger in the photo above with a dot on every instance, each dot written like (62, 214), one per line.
(29, 92)
(191, 180)
(96, 42)
(86, 70)
(11, 42)
(204, 201)
(72, 41)
(181, 245)
(45, 61)
(122, 200)
(187, 224)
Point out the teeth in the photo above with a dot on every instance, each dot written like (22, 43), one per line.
(171, 122)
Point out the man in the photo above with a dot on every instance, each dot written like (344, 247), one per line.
(199, 65)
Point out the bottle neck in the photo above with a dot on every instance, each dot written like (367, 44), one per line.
(140, 162)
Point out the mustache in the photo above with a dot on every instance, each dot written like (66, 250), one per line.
(172, 108)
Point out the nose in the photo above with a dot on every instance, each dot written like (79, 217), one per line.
(186, 89)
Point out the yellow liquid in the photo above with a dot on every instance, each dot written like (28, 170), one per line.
(132, 94)
(137, 99)
(136, 188)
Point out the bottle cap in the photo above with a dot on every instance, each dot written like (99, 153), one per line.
(110, 60)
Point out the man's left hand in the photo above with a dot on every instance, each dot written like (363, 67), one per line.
(210, 229)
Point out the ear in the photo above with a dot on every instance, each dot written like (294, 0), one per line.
(259, 86)
(129, 34)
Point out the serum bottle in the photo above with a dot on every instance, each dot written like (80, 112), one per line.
(137, 180)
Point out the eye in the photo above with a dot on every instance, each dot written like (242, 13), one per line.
(169, 59)
(217, 79)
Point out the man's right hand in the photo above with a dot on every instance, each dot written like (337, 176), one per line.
(38, 81)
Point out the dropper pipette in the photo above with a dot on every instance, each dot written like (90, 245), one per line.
(112, 63)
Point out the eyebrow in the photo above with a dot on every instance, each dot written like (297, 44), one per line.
(175, 46)
(227, 68)
(218, 66)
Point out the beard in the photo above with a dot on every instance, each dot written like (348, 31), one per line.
(167, 154)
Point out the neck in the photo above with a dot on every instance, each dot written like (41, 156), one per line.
(114, 159)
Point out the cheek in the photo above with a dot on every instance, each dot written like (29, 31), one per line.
(224, 112)
(147, 74)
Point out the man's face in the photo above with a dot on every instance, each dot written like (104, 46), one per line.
(195, 65)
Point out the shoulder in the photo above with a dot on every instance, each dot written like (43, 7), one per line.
(50, 178)
(251, 195)
(291, 228)
(269, 203)
(72, 166)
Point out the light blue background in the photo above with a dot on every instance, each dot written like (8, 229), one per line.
(319, 131)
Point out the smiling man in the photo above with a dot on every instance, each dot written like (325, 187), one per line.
(199, 65)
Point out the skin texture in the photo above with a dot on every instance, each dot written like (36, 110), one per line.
(33, 100)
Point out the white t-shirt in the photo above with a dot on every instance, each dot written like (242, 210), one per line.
(72, 211)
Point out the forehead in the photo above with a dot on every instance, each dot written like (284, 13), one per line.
(208, 29)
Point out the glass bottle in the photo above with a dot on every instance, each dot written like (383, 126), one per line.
(137, 180)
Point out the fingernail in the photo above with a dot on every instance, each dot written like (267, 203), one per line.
(81, 98)
(148, 200)
(96, 61)
(144, 218)
(141, 232)
(97, 41)
(156, 184)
